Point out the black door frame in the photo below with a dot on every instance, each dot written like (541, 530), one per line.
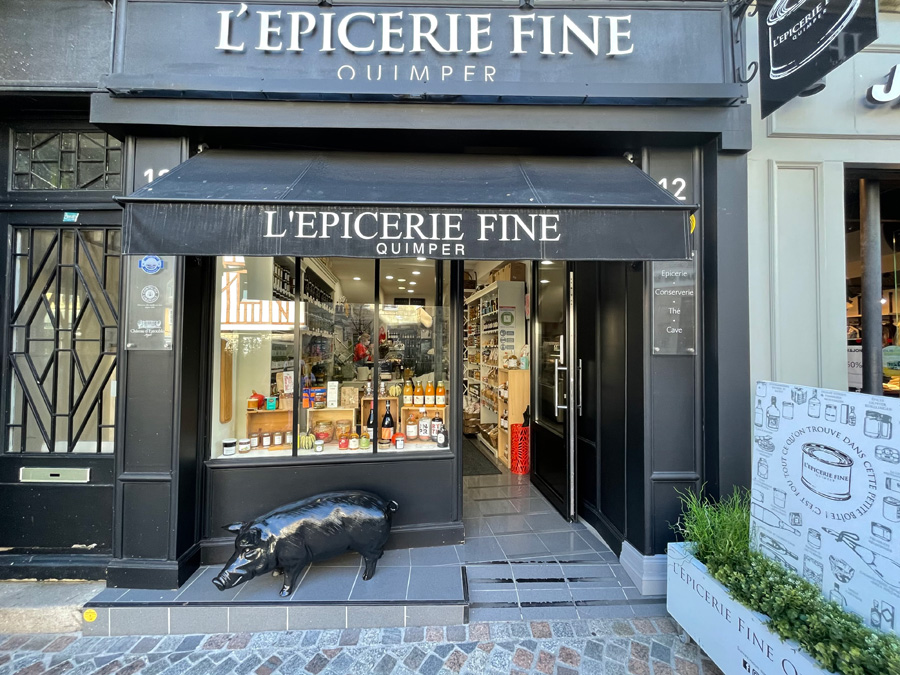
(36, 559)
(566, 503)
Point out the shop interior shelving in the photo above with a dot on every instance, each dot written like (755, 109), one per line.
(512, 400)
(500, 320)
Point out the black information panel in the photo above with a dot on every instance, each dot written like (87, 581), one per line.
(801, 41)
(675, 307)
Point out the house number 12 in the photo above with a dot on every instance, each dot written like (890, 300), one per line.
(679, 183)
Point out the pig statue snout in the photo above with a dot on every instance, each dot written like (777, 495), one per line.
(292, 536)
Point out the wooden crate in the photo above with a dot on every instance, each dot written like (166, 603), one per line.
(262, 421)
(379, 414)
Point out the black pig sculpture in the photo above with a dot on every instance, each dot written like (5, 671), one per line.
(290, 537)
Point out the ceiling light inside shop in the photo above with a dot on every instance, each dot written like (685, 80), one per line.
(420, 259)
(389, 277)
(412, 283)
(546, 262)
(410, 290)
(416, 272)
(401, 280)
(402, 288)
(545, 281)
(356, 279)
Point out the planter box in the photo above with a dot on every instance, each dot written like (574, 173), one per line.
(734, 637)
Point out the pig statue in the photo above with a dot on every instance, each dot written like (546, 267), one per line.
(290, 537)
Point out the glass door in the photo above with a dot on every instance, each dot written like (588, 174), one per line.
(552, 435)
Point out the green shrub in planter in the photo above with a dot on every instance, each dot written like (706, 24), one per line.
(719, 535)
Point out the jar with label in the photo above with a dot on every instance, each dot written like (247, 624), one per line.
(266, 439)
(319, 445)
(243, 446)
(399, 441)
(254, 439)
(364, 441)
(229, 446)
(288, 437)
(324, 431)
(278, 438)
(354, 442)
(343, 442)
(343, 428)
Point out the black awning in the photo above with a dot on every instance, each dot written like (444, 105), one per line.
(368, 205)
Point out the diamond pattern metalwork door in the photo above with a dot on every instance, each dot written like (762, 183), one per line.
(63, 314)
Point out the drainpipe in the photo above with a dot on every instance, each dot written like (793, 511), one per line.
(870, 302)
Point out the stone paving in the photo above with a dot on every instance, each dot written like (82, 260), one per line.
(647, 646)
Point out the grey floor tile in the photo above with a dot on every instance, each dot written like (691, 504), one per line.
(602, 594)
(257, 619)
(547, 522)
(349, 559)
(138, 620)
(595, 543)
(319, 617)
(434, 615)
(588, 572)
(434, 556)
(477, 527)
(497, 507)
(517, 545)
(384, 616)
(147, 595)
(99, 626)
(539, 613)
(397, 557)
(545, 570)
(514, 524)
(564, 543)
(520, 490)
(605, 612)
(435, 583)
(201, 589)
(560, 594)
(488, 492)
(326, 583)
(390, 583)
(481, 596)
(494, 614)
(109, 595)
(498, 571)
(529, 505)
(593, 558)
(185, 620)
(480, 549)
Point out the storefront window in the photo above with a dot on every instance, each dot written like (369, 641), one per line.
(330, 356)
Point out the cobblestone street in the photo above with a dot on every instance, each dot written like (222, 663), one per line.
(594, 647)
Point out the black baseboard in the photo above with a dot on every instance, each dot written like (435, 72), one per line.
(605, 529)
(217, 551)
(54, 566)
(153, 574)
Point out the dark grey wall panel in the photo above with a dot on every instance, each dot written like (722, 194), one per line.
(672, 424)
(145, 521)
(666, 510)
(40, 517)
(54, 45)
(424, 488)
(148, 417)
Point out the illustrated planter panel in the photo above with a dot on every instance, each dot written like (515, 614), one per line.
(734, 637)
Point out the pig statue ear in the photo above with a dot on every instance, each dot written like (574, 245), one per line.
(234, 527)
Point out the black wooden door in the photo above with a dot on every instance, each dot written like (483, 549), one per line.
(61, 316)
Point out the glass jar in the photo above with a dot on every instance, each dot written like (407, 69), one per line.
(278, 438)
(243, 446)
(266, 439)
(343, 428)
(343, 442)
(354, 442)
(324, 431)
(364, 441)
(229, 445)
(254, 440)
(288, 437)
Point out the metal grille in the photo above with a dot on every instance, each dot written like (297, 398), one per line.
(66, 160)
(63, 323)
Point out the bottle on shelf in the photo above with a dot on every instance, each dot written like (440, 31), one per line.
(419, 396)
(412, 426)
(429, 393)
(424, 426)
(442, 436)
(436, 424)
(387, 423)
(440, 394)
(408, 391)
(370, 425)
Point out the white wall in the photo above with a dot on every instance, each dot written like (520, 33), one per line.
(796, 213)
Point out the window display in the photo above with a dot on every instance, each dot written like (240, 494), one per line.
(330, 356)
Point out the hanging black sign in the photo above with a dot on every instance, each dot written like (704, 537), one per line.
(801, 41)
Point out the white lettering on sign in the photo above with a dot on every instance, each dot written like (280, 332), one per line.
(449, 33)
(678, 186)
(885, 93)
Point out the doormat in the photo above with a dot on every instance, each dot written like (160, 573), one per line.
(475, 463)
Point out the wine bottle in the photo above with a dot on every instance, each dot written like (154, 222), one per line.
(387, 423)
(436, 424)
(442, 437)
(370, 425)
